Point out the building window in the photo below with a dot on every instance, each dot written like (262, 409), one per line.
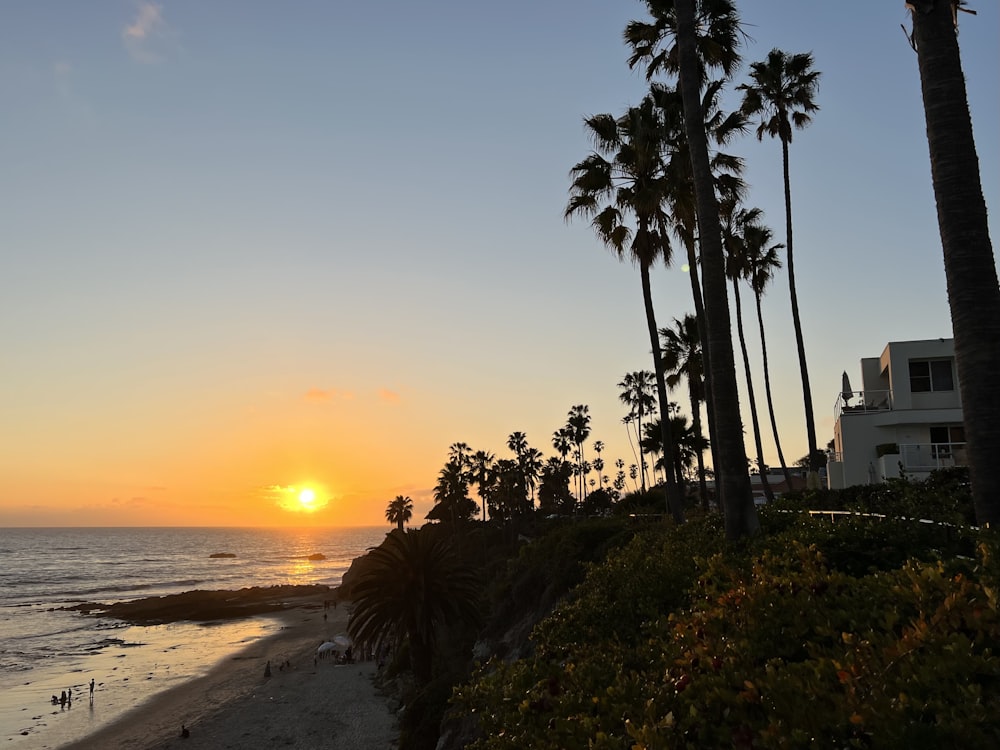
(945, 439)
(931, 375)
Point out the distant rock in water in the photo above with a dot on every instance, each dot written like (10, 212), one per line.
(222, 554)
(315, 556)
(202, 605)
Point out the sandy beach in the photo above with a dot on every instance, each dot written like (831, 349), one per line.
(311, 704)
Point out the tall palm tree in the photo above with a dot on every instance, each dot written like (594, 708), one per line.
(626, 170)
(414, 586)
(399, 511)
(682, 359)
(578, 423)
(599, 462)
(969, 264)
(732, 477)
(481, 474)
(782, 95)
(736, 221)
(761, 260)
(637, 389)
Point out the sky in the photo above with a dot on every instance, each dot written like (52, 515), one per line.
(253, 248)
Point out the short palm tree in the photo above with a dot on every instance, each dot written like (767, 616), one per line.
(637, 391)
(781, 95)
(413, 587)
(682, 357)
(400, 511)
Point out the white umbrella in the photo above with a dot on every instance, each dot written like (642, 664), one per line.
(342, 641)
(324, 647)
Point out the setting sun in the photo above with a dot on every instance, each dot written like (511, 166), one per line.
(307, 497)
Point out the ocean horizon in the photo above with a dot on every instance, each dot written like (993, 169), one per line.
(46, 649)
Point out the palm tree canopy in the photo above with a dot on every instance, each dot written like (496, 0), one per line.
(655, 42)
(399, 511)
(623, 177)
(781, 94)
(414, 585)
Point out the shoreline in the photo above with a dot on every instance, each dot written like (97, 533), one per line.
(235, 705)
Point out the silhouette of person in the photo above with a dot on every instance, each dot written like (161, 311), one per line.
(91, 690)
(267, 668)
(62, 699)
(184, 732)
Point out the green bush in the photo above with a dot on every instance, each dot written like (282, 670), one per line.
(770, 646)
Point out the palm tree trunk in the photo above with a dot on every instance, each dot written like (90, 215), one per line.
(696, 425)
(770, 401)
(970, 268)
(731, 473)
(675, 506)
(699, 313)
(800, 345)
(761, 467)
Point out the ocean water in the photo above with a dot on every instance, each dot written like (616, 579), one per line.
(45, 650)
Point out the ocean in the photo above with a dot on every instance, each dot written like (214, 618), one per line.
(44, 650)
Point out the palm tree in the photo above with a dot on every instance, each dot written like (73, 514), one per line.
(578, 423)
(761, 261)
(737, 219)
(627, 170)
(636, 393)
(599, 462)
(682, 359)
(732, 478)
(452, 504)
(414, 586)
(782, 95)
(481, 474)
(969, 264)
(399, 511)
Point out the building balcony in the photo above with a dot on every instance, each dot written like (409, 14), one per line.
(920, 458)
(862, 402)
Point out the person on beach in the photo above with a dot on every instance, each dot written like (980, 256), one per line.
(62, 699)
(91, 689)
(267, 668)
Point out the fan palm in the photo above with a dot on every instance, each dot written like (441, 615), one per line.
(682, 359)
(627, 171)
(399, 511)
(637, 389)
(969, 264)
(578, 424)
(781, 95)
(737, 220)
(761, 261)
(413, 587)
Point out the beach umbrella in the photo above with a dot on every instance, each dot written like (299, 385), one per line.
(342, 641)
(327, 646)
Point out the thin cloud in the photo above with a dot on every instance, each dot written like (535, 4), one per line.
(387, 396)
(145, 37)
(325, 395)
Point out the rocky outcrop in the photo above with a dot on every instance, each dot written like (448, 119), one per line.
(200, 606)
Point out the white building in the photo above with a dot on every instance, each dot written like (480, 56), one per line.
(906, 418)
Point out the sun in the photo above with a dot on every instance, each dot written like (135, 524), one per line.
(307, 498)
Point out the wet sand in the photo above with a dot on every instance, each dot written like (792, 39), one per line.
(306, 705)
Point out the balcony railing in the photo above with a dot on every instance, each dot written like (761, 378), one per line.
(922, 457)
(862, 402)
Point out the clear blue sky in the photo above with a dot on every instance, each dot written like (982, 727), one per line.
(252, 245)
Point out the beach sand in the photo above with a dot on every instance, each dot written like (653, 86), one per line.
(322, 705)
